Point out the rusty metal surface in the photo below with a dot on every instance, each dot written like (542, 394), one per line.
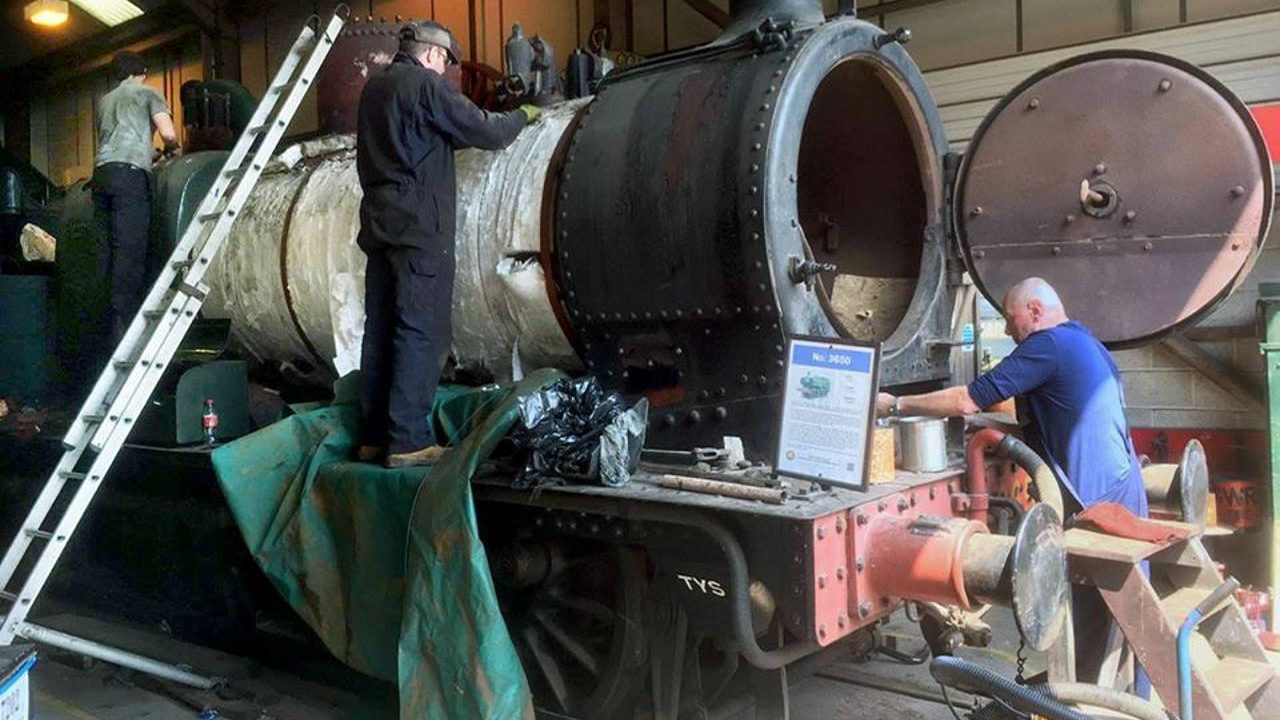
(1176, 205)
(360, 50)
(683, 200)
(645, 487)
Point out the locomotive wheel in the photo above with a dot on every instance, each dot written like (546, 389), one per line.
(579, 631)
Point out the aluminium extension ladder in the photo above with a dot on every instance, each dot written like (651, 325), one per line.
(122, 391)
(1231, 677)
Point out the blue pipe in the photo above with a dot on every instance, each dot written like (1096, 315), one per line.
(1184, 643)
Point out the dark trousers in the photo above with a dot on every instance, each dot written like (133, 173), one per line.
(408, 298)
(122, 211)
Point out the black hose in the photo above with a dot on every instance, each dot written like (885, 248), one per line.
(1042, 476)
(967, 676)
(739, 580)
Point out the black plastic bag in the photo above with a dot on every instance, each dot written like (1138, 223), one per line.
(574, 432)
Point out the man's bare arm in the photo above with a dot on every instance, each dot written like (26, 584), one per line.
(164, 126)
(942, 403)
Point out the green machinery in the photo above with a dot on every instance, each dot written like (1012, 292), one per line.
(1269, 332)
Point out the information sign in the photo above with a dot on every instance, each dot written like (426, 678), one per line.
(828, 411)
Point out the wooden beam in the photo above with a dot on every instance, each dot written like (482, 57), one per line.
(710, 11)
(1217, 333)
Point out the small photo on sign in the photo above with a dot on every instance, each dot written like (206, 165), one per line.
(828, 411)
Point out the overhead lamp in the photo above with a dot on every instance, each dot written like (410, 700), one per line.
(46, 12)
(109, 12)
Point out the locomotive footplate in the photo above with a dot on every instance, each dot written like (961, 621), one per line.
(823, 563)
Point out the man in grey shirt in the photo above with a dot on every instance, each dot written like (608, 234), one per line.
(127, 117)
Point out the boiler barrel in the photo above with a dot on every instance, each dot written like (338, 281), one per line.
(292, 278)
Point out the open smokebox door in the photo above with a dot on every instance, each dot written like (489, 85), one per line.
(199, 372)
(1134, 183)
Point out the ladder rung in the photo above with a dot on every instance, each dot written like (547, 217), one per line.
(1179, 603)
(122, 364)
(72, 475)
(153, 314)
(179, 265)
(6, 595)
(95, 419)
(1235, 679)
(41, 534)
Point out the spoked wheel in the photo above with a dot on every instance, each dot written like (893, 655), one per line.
(577, 619)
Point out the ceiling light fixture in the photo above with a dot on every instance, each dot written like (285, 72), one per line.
(46, 12)
(110, 12)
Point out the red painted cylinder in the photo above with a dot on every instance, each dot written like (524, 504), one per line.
(921, 558)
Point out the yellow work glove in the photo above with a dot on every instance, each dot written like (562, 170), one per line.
(532, 113)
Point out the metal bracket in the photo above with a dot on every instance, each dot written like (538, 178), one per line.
(198, 292)
(773, 35)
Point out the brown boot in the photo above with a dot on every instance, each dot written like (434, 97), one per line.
(425, 456)
(370, 453)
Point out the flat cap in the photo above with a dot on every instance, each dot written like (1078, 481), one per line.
(429, 31)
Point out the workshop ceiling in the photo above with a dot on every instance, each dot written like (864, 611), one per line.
(21, 41)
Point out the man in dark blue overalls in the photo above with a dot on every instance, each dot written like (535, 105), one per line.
(411, 119)
(1071, 402)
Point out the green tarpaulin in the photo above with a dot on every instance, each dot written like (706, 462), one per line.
(387, 565)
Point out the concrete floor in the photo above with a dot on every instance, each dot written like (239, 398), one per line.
(67, 687)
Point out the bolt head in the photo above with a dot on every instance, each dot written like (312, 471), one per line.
(822, 582)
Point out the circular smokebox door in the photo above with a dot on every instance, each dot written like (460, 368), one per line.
(1135, 183)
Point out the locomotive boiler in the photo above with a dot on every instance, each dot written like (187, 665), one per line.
(792, 177)
(670, 233)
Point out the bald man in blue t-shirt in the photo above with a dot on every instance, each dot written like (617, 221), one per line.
(1071, 406)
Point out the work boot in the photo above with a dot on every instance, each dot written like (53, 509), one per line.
(370, 453)
(425, 456)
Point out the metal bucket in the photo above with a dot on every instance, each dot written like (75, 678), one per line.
(922, 442)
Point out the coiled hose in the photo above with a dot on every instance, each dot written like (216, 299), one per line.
(1050, 701)
(1099, 697)
(962, 674)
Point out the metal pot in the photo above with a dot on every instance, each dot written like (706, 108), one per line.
(923, 444)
